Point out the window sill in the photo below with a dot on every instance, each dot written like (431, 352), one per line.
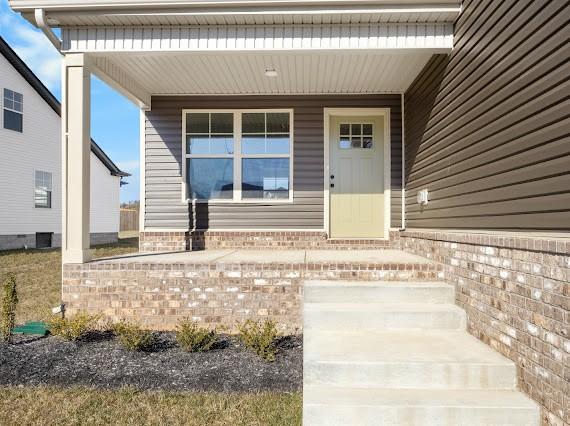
(257, 201)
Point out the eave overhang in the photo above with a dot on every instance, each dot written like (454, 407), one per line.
(171, 12)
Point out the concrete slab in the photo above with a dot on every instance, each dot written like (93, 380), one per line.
(363, 256)
(272, 256)
(425, 346)
(378, 292)
(205, 256)
(264, 256)
(326, 405)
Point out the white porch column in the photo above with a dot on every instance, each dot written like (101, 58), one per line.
(76, 146)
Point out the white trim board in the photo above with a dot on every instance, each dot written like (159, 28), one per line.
(238, 38)
(357, 112)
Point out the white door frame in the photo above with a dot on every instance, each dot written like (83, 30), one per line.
(383, 113)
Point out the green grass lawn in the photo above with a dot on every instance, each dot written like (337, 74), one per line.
(38, 274)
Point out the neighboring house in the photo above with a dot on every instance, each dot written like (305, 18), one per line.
(434, 128)
(30, 165)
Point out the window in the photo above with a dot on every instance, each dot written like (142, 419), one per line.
(238, 156)
(13, 110)
(43, 189)
(355, 136)
(210, 149)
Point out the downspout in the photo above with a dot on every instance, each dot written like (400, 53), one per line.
(41, 23)
(403, 227)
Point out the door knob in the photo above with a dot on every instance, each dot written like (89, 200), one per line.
(332, 185)
(332, 176)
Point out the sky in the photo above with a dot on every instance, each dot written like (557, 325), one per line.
(114, 119)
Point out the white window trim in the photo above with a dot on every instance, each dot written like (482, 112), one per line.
(237, 157)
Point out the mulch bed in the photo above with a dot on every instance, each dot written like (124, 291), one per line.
(100, 361)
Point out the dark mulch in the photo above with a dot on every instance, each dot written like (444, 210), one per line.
(100, 361)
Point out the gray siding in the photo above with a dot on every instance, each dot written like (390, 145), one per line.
(164, 160)
(487, 127)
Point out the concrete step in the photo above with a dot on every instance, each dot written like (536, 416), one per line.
(429, 359)
(326, 405)
(382, 316)
(378, 292)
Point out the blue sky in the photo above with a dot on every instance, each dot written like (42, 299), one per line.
(114, 119)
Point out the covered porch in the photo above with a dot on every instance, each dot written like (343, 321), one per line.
(349, 64)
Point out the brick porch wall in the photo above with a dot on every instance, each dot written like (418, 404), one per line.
(159, 294)
(156, 242)
(152, 242)
(516, 293)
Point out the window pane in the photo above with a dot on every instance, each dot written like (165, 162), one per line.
(253, 122)
(357, 142)
(210, 178)
(222, 123)
(278, 122)
(198, 144)
(18, 97)
(356, 129)
(197, 123)
(220, 144)
(8, 94)
(265, 178)
(367, 129)
(344, 143)
(18, 106)
(8, 103)
(345, 129)
(253, 144)
(277, 144)
(42, 198)
(13, 121)
(367, 143)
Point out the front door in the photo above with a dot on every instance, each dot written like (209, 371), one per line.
(357, 177)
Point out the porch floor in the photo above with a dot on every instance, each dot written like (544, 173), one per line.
(224, 256)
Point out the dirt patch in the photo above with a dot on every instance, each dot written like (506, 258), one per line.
(100, 361)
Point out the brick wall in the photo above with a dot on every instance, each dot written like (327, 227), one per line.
(155, 242)
(516, 293)
(259, 240)
(158, 294)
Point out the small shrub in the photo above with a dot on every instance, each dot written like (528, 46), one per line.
(9, 303)
(193, 338)
(133, 337)
(74, 328)
(260, 337)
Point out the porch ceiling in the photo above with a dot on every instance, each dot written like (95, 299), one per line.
(244, 73)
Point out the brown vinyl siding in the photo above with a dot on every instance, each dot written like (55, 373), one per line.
(487, 127)
(163, 157)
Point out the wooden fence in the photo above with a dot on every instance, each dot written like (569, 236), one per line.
(129, 220)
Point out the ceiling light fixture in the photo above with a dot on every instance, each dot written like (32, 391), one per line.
(271, 72)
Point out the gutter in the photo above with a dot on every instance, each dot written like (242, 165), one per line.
(41, 23)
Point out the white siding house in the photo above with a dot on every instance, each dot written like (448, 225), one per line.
(30, 165)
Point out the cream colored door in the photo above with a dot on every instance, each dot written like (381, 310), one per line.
(357, 177)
